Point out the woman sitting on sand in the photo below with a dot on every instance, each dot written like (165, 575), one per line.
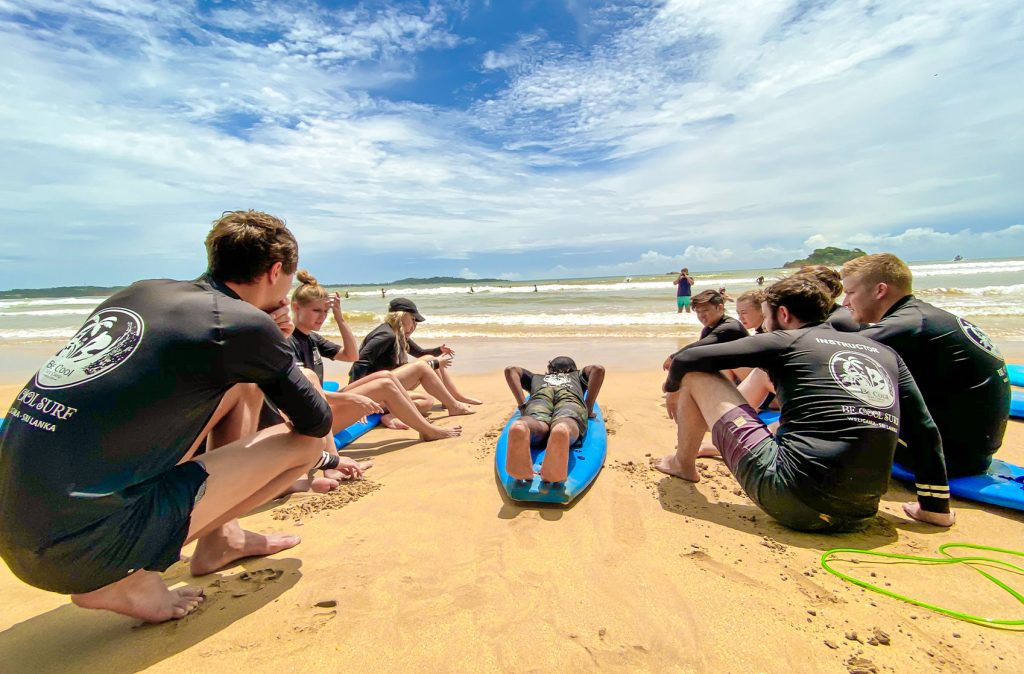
(310, 306)
(387, 349)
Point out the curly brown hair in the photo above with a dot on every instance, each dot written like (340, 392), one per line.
(826, 276)
(244, 244)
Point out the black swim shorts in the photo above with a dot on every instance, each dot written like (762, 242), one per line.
(147, 534)
(553, 402)
(751, 452)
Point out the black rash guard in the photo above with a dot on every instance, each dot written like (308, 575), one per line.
(840, 318)
(124, 400)
(727, 329)
(379, 351)
(843, 399)
(311, 349)
(961, 374)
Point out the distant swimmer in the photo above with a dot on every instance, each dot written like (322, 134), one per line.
(560, 403)
(958, 258)
(684, 286)
(102, 499)
(471, 289)
(845, 401)
(535, 288)
(628, 279)
(760, 280)
(959, 369)
(383, 293)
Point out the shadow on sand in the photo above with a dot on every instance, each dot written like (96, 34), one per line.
(549, 511)
(71, 639)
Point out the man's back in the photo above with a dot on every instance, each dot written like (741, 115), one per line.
(961, 374)
(124, 399)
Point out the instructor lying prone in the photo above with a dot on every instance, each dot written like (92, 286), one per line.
(843, 398)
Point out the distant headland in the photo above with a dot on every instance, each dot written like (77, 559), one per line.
(830, 255)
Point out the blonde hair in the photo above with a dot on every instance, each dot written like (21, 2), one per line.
(394, 319)
(755, 297)
(881, 268)
(309, 289)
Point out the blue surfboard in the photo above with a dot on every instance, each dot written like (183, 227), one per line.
(347, 436)
(1016, 373)
(1017, 404)
(585, 462)
(1002, 484)
(769, 416)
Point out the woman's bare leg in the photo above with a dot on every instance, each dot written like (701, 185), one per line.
(449, 383)
(390, 392)
(419, 373)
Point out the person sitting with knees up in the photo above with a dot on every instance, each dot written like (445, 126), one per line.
(388, 347)
(561, 401)
(845, 400)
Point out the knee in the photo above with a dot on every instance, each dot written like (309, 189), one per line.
(424, 405)
(519, 428)
(560, 429)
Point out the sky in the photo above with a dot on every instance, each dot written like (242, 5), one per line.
(511, 139)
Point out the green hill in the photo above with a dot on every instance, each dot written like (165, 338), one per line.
(829, 255)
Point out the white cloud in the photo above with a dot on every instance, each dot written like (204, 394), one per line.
(468, 273)
(716, 136)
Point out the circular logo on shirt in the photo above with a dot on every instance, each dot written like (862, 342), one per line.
(107, 340)
(863, 377)
(979, 338)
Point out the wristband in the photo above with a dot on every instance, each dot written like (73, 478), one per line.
(327, 461)
(434, 363)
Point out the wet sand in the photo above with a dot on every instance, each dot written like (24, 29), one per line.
(427, 566)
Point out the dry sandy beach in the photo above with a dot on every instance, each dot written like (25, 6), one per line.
(425, 566)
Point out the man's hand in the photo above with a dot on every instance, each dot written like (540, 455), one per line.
(671, 402)
(283, 317)
(365, 405)
(667, 364)
(349, 468)
(915, 512)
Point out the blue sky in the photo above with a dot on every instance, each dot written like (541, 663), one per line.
(529, 139)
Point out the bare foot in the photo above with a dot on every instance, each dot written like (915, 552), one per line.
(389, 421)
(320, 485)
(518, 462)
(459, 409)
(708, 451)
(556, 459)
(470, 401)
(670, 466)
(143, 595)
(438, 433)
(231, 543)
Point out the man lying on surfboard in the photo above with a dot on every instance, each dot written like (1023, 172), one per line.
(561, 401)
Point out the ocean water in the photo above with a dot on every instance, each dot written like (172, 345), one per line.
(988, 292)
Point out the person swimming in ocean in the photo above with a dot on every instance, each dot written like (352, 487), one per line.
(561, 402)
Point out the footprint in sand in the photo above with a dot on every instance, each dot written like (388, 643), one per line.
(244, 583)
(709, 563)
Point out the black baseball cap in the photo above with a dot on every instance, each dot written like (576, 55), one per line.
(408, 306)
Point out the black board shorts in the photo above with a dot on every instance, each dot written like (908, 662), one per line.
(751, 452)
(147, 534)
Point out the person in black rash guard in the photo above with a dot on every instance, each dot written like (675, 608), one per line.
(561, 403)
(843, 398)
(99, 483)
(960, 371)
(387, 347)
(311, 304)
(718, 327)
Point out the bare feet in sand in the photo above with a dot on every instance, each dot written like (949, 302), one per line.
(319, 485)
(670, 466)
(470, 401)
(518, 461)
(459, 409)
(438, 433)
(390, 421)
(143, 595)
(231, 543)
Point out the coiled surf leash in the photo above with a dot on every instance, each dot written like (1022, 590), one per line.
(973, 562)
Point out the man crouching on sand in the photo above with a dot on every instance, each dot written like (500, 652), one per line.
(560, 404)
(100, 482)
(844, 401)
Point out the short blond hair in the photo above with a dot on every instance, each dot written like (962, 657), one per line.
(755, 297)
(881, 268)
